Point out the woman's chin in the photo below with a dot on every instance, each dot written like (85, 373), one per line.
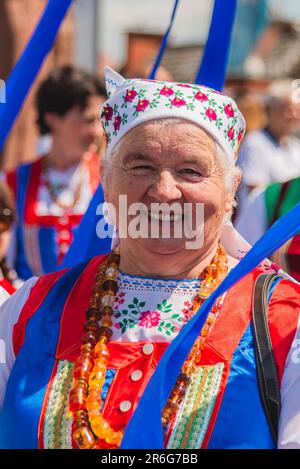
(163, 246)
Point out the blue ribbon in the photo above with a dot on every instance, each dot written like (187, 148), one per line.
(24, 73)
(86, 243)
(212, 71)
(164, 43)
(144, 430)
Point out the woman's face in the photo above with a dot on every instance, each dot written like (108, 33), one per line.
(171, 163)
(78, 131)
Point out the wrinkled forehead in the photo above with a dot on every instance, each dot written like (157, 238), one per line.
(173, 137)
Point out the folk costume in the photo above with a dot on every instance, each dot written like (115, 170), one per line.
(84, 342)
(50, 204)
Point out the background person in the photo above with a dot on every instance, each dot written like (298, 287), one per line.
(272, 154)
(52, 193)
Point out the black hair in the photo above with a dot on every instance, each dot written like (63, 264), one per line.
(65, 88)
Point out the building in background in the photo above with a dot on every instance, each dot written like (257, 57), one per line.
(265, 44)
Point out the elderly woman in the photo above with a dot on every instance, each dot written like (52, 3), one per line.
(82, 344)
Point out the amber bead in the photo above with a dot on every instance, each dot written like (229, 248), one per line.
(106, 331)
(102, 352)
(92, 326)
(96, 379)
(173, 406)
(85, 361)
(93, 402)
(86, 348)
(106, 311)
(80, 422)
(90, 338)
(107, 322)
(178, 392)
(100, 366)
(80, 383)
(82, 367)
(108, 300)
(115, 259)
(77, 399)
(101, 427)
(93, 313)
(84, 438)
(110, 285)
(111, 273)
(184, 378)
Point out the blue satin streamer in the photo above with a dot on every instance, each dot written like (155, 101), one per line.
(164, 43)
(86, 243)
(24, 73)
(144, 429)
(212, 70)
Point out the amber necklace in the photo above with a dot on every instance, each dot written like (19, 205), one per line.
(53, 193)
(90, 429)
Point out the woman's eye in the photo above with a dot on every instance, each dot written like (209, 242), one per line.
(142, 168)
(191, 172)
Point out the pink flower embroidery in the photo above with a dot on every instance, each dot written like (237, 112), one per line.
(201, 96)
(184, 85)
(230, 133)
(142, 104)
(210, 113)
(117, 325)
(149, 319)
(187, 303)
(228, 109)
(166, 91)
(117, 123)
(178, 102)
(240, 135)
(130, 95)
(186, 313)
(107, 113)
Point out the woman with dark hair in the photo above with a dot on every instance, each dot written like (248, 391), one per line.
(52, 193)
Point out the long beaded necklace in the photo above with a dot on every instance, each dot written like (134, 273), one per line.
(90, 429)
(52, 191)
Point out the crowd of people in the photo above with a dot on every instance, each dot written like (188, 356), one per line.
(81, 344)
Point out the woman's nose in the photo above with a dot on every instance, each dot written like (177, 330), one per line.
(164, 188)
